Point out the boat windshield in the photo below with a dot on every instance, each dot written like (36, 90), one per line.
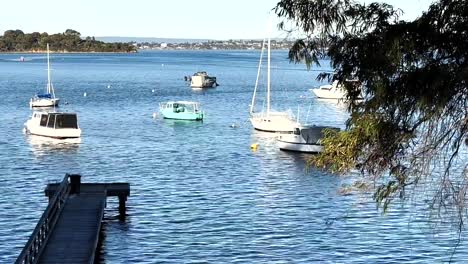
(66, 121)
(185, 107)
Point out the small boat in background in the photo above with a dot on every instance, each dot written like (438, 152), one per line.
(182, 110)
(330, 91)
(58, 125)
(202, 80)
(304, 139)
(333, 91)
(48, 98)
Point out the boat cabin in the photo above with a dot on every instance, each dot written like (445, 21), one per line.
(183, 110)
(57, 120)
(313, 134)
(181, 107)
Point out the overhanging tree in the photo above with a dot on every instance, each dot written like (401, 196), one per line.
(413, 123)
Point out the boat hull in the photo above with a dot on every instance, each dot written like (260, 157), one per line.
(275, 122)
(329, 94)
(49, 102)
(169, 114)
(299, 147)
(62, 133)
(304, 139)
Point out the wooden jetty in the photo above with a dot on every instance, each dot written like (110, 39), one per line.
(68, 231)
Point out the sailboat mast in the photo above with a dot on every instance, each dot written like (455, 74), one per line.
(258, 77)
(49, 89)
(268, 79)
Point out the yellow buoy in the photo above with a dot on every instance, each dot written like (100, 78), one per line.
(254, 146)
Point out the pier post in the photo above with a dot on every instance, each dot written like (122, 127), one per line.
(75, 182)
(122, 208)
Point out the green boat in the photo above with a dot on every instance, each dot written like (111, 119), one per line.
(182, 110)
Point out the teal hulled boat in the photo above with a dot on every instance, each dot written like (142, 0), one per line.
(182, 110)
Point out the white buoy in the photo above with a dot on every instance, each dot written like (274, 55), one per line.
(155, 115)
(152, 91)
(85, 94)
(108, 86)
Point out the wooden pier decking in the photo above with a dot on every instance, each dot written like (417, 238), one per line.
(68, 231)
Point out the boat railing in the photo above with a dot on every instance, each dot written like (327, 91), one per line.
(38, 239)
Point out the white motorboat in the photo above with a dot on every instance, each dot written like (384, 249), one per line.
(330, 91)
(48, 98)
(202, 80)
(303, 139)
(58, 125)
(267, 120)
(334, 91)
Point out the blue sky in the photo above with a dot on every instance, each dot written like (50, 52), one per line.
(206, 19)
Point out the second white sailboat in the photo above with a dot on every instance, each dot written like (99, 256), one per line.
(267, 120)
(48, 98)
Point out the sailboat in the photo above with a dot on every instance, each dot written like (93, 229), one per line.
(269, 121)
(48, 98)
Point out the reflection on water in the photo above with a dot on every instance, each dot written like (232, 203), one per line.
(181, 123)
(266, 141)
(267, 149)
(45, 145)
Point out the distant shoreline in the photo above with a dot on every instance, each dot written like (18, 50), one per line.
(117, 52)
(61, 52)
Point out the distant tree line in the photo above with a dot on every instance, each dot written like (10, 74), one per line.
(69, 41)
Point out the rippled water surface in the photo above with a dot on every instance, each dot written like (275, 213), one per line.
(198, 193)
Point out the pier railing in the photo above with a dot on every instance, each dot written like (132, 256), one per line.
(36, 243)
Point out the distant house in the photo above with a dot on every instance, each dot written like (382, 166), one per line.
(163, 45)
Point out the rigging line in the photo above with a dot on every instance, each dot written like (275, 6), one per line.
(258, 76)
(308, 113)
(268, 70)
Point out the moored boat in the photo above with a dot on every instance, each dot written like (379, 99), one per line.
(60, 125)
(48, 98)
(330, 91)
(335, 90)
(202, 80)
(304, 139)
(268, 120)
(182, 110)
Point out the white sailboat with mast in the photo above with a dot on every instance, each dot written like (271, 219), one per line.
(48, 98)
(269, 121)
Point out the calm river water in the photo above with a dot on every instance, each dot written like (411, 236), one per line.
(198, 193)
